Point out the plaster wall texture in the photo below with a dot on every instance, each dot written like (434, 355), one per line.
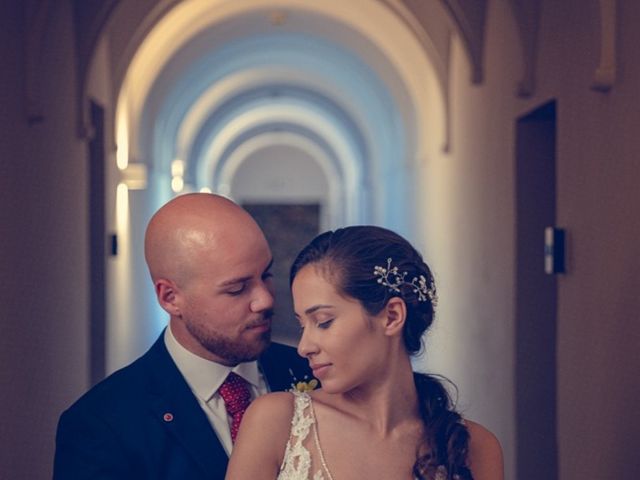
(598, 204)
(43, 347)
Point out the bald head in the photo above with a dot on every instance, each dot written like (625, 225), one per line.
(189, 225)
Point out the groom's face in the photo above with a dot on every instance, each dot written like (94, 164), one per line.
(226, 301)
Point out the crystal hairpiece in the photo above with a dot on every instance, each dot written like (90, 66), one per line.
(391, 278)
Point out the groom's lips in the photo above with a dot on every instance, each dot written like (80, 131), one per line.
(262, 326)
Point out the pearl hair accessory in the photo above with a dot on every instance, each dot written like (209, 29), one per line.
(391, 278)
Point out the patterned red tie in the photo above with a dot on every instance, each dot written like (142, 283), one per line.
(236, 395)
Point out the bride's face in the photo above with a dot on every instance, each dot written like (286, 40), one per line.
(345, 345)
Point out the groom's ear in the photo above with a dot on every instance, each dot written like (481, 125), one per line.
(167, 293)
(395, 314)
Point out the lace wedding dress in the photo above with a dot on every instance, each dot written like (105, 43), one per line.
(303, 457)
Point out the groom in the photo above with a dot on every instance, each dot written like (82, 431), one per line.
(174, 412)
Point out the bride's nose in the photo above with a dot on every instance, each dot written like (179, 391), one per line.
(307, 347)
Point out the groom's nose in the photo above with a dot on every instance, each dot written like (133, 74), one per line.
(263, 298)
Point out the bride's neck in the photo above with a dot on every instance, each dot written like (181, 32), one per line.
(389, 400)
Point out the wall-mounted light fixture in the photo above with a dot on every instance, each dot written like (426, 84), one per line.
(134, 176)
(177, 175)
(554, 250)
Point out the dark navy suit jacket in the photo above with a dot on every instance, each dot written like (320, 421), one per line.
(120, 428)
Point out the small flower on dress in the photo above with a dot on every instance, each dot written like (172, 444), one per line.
(306, 386)
(303, 385)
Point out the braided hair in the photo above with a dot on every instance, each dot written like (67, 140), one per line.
(348, 257)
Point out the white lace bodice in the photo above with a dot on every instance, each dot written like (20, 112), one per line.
(303, 458)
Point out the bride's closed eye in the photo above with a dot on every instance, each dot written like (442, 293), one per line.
(326, 324)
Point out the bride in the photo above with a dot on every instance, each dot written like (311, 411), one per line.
(364, 298)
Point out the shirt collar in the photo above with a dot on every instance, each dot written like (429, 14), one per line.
(205, 376)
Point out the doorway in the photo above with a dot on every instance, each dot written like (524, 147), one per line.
(536, 296)
(98, 247)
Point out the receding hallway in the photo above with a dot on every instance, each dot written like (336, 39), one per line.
(403, 113)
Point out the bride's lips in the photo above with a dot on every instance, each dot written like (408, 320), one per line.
(320, 369)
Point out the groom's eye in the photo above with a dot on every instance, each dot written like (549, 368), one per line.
(237, 290)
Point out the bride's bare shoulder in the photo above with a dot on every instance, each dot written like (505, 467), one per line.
(262, 438)
(485, 453)
(272, 408)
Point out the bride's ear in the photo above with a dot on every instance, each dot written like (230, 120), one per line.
(395, 314)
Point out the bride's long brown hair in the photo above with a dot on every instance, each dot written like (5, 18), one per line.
(348, 256)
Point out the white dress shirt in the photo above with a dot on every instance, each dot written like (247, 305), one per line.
(204, 377)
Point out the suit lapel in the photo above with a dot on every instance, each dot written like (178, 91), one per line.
(175, 406)
(268, 362)
(177, 409)
(282, 366)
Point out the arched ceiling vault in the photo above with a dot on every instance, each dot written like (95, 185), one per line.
(131, 22)
(127, 23)
(211, 75)
(360, 91)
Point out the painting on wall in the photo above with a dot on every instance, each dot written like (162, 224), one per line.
(288, 229)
